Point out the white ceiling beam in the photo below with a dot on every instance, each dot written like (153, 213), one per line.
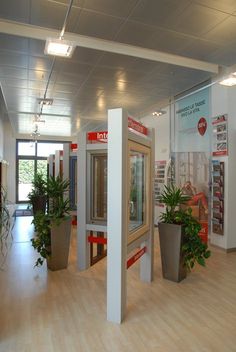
(35, 32)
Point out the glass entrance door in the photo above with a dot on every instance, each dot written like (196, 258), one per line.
(25, 177)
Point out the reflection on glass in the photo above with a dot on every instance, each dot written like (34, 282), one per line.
(137, 190)
(26, 148)
(45, 149)
(99, 187)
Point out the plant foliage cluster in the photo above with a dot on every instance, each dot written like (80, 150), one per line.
(193, 249)
(58, 210)
(5, 225)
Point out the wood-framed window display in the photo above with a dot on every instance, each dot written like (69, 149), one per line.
(139, 159)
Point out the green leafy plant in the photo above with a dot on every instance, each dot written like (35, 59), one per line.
(58, 211)
(38, 195)
(5, 225)
(193, 249)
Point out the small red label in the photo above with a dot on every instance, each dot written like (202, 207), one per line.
(73, 146)
(137, 126)
(202, 126)
(136, 257)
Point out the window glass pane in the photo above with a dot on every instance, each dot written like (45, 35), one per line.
(42, 168)
(26, 176)
(137, 191)
(26, 148)
(45, 149)
(99, 187)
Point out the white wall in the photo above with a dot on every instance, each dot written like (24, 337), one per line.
(223, 101)
(162, 141)
(162, 133)
(9, 156)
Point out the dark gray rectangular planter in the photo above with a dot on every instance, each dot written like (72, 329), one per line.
(171, 240)
(60, 245)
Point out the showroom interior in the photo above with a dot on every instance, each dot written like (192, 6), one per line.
(155, 75)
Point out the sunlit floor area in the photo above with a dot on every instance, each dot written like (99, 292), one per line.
(43, 311)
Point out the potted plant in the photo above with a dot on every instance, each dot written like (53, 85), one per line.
(53, 228)
(5, 225)
(38, 194)
(180, 244)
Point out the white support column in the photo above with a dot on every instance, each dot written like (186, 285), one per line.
(66, 160)
(57, 163)
(146, 261)
(50, 164)
(117, 215)
(82, 247)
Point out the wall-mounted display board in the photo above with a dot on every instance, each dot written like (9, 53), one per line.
(220, 135)
(160, 180)
(218, 197)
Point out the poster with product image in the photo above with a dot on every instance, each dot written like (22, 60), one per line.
(220, 135)
(191, 125)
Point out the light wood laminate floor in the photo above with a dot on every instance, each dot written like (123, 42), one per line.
(42, 311)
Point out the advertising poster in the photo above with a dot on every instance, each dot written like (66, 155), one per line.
(192, 123)
(220, 135)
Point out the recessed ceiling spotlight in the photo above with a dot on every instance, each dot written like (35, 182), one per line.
(158, 113)
(45, 101)
(59, 47)
(229, 82)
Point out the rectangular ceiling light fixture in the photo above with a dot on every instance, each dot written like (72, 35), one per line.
(59, 47)
(45, 101)
(229, 81)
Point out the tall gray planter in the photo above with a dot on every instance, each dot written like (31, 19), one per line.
(60, 245)
(171, 240)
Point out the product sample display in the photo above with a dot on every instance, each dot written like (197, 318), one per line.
(218, 197)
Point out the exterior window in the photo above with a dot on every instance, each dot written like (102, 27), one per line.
(31, 158)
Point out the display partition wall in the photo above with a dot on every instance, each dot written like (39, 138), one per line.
(31, 157)
(116, 206)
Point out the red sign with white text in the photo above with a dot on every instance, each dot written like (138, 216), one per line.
(101, 136)
(98, 136)
(137, 126)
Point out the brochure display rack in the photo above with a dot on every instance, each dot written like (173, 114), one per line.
(218, 197)
(160, 180)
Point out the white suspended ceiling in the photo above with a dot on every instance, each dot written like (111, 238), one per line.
(195, 36)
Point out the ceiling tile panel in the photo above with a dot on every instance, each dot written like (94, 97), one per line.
(41, 14)
(15, 10)
(120, 8)
(138, 34)
(70, 79)
(97, 25)
(13, 59)
(224, 33)
(12, 43)
(197, 20)
(201, 49)
(158, 13)
(88, 56)
(40, 63)
(13, 72)
(228, 6)
(72, 67)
